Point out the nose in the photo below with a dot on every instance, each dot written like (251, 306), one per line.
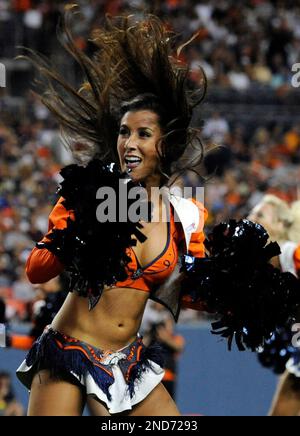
(131, 143)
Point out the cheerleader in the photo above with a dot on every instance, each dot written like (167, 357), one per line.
(283, 224)
(130, 122)
(134, 110)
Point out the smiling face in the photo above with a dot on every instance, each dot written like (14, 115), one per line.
(139, 135)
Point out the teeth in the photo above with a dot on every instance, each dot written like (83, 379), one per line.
(132, 159)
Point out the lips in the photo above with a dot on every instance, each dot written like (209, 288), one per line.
(132, 161)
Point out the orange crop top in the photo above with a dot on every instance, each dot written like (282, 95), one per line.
(157, 271)
(42, 265)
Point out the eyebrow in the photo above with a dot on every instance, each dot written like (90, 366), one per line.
(125, 125)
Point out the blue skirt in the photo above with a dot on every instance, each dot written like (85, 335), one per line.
(120, 379)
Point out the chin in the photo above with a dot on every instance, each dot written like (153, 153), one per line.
(136, 174)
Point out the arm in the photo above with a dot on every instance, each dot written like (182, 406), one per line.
(42, 265)
(196, 249)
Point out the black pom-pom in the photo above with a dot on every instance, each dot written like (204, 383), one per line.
(277, 350)
(237, 282)
(94, 252)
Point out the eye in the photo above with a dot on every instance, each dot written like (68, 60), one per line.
(123, 131)
(144, 134)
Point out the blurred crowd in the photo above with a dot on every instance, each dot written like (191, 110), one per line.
(30, 158)
(248, 164)
(239, 43)
(9, 405)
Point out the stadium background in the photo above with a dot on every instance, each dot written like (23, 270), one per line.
(247, 49)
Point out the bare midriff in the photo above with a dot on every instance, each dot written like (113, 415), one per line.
(111, 325)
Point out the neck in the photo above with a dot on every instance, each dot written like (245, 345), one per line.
(154, 183)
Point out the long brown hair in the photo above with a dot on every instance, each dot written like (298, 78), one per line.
(131, 58)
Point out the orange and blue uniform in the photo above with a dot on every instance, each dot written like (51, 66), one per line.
(110, 375)
(42, 265)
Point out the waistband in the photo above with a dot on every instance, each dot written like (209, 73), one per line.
(125, 357)
(61, 353)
